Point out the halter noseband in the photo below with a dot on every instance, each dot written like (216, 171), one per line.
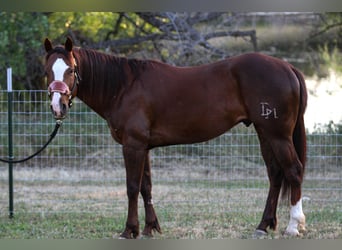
(62, 88)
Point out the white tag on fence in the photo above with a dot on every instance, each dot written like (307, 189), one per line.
(9, 79)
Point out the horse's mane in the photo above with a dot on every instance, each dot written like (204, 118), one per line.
(107, 73)
(104, 73)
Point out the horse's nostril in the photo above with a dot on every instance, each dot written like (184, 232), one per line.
(64, 108)
(53, 111)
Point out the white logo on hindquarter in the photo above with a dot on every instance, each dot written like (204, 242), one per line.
(267, 111)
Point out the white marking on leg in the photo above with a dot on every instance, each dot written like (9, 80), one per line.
(59, 67)
(297, 219)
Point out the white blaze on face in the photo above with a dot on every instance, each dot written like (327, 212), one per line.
(58, 69)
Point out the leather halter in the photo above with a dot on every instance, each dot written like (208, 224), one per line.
(60, 87)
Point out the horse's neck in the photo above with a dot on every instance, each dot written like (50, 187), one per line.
(92, 91)
(97, 101)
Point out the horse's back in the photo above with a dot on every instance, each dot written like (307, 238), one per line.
(193, 104)
(190, 104)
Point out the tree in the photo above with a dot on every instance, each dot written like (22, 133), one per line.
(329, 22)
(189, 34)
(326, 40)
(177, 38)
(20, 46)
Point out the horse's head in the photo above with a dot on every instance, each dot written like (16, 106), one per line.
(62, 76)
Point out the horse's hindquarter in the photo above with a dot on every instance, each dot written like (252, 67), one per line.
(270, 90)
(191, 104)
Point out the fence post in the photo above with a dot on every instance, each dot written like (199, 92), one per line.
(10, 141)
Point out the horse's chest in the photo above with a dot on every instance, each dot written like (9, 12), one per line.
(116, 134)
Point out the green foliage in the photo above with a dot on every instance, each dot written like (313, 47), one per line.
(93, 25)
(22, 34)
(20, 42)
(331, 59)
(96, 26)
(326, 144)
(333, 24)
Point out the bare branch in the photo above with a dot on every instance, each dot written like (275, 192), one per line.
(182, 28)
(325, 29)
(116, 27)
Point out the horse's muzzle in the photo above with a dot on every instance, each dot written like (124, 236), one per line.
(60, 99)
(60, 113)
(59, 106)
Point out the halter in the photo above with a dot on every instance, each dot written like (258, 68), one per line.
(62, 88)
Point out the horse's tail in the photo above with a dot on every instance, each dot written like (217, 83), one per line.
(299, 134)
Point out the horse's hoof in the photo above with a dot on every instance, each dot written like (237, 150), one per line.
(151, 227)
(292, 232)
(258, 233)
(121, 237)
(128, 236)
(147, 235)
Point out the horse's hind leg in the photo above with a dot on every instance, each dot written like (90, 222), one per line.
(275, 175)
(297, 219)
(288, 171)
(293, 176)
(151, 220)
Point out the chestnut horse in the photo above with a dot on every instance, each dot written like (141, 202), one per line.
(149, 104)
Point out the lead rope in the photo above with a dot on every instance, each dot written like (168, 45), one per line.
(53, 134)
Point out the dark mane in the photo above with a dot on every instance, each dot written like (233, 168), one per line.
(111, 72)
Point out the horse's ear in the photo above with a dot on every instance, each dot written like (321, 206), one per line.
(68, 44)
(47, 45)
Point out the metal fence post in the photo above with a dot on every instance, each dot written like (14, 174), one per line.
(10, 141)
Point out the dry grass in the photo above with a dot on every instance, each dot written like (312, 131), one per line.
(59, 203)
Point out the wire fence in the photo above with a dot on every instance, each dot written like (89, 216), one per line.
(82, 170)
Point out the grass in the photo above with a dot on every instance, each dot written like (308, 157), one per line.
(59, 226)
(78, 207)
(187, 225)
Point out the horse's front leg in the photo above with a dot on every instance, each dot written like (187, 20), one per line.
(134, 163)
(151, 220)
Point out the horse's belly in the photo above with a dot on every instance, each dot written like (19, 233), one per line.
(190, 132)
